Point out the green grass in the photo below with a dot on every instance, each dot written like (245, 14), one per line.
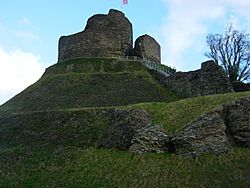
(90, 83)
(175, 115)
(49, 134)
(87, 125)
(77, 167)
(58, 149)
(77, 128)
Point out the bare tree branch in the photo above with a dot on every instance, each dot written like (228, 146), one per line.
(231, 50)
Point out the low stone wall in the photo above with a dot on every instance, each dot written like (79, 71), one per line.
(240, 86)
(210, 79)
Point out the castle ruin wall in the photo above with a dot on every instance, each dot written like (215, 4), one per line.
(147, 47)
(104, 36)
(209, 79)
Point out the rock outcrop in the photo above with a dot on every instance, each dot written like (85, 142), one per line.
(210, 79)
(207, 134)
(215, 132)
(151, 138)
(237, 118)
(148, 47)
(125, 123)
(104, 36)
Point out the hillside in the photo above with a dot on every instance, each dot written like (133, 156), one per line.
(90, 82)
(58, 149)
(92, 120)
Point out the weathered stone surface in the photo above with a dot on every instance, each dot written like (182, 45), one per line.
(214, 132)
(146, 46)
(123, 127)
(238, 121)
(210, 79)
(204, 135)
(241, 86)
(150, 139)
(104, 36)
(108, 35)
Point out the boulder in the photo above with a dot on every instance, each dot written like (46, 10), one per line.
(124, 124)
(204, 135)
(215, 132)
(150, 139)
(237, 118)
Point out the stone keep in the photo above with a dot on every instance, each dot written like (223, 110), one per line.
(104, 36)
(147, 47)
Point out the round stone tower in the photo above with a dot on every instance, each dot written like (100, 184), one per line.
(104, 36)
(147, 47)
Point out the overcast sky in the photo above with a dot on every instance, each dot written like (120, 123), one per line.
(30, 29)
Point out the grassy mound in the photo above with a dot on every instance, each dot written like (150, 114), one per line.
(82, 127)
(49, 132)
(57, 149)
(90, 83)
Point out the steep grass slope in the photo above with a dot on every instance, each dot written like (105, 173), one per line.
(173, 116)
(90, 83)
(57, 149)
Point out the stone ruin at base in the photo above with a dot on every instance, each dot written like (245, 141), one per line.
(108, 35)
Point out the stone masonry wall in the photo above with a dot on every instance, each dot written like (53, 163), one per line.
(104, 36)
(146, 46)
(210, 79)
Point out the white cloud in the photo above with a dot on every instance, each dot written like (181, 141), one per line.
(24, 21)
(27, 35)
(18, 70)
(23, 31)
(188, 22)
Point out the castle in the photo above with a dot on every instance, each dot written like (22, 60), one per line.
(108, 35)
(111, 36)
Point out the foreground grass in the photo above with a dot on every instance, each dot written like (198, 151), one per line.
(57, 149)
(77, 167)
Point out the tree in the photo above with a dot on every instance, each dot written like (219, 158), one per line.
(231, 50)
